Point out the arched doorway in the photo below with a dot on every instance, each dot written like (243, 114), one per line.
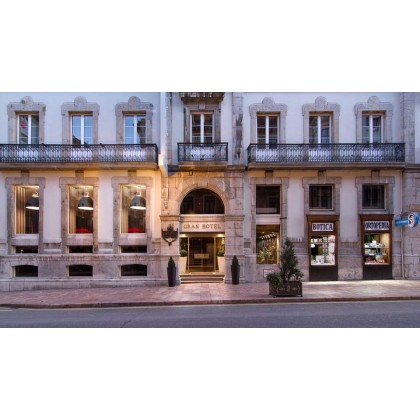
(202, 231)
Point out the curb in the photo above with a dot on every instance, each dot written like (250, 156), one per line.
(203, 302)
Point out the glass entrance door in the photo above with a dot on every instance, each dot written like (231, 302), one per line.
(201, 256)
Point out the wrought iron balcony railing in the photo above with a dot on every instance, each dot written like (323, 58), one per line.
(335, 153)
(202, 152)
(60, 153)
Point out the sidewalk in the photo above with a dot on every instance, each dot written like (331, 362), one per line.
(203, 294)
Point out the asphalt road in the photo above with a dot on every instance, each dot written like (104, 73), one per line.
(398, 314)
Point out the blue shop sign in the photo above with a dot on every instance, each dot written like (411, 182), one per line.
(410, 219)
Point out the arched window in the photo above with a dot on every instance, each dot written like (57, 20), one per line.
(202, 201)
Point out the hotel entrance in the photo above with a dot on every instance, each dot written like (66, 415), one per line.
(202, 252)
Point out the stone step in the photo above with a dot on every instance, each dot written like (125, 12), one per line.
(201, 278)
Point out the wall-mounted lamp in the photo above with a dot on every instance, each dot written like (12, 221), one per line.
(138, 202)
(33, 202)
(85, 203)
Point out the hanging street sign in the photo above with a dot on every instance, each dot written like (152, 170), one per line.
(410, 219)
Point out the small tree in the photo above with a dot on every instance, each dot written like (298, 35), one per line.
(289, 262)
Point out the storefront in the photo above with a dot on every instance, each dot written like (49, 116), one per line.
(377, 246)
(323, 238)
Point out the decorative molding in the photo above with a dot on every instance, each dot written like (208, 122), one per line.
(133, 106)
(80, 105)
(321, 106)
(268, 106)
(374, 105)
(25, 106)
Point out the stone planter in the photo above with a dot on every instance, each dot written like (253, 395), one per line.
(222, 264)
(291, 288)
(182, 265)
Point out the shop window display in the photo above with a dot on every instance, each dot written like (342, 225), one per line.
(323, 250)
(268, 244)
(376, 248)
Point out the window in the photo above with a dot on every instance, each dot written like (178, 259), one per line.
(372, 128)
(202, 201)
(133, 249)
(133, 212)
(267, 129)
(28, 129)
(320, 197)
(82, 129)
(319, 129)
(268, 244)
(377, 248)
(201, 127)
(81, 209)
(135, 129)
(133, 270)
(26, 271)
(373, 197)
(27, 209)
(268, 200)
(79, 270)
(323, 249)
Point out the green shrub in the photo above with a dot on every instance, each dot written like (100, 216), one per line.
(171, 262)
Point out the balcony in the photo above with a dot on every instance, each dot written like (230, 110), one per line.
(328, 154)
(98, 155)
(203, 155)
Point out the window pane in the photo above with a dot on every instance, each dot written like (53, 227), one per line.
(23, 129)
(373, 196)
(268, 200)
(325, 129)
(377, 248)
(141, 130)
(320, 196)
(323, 250)
(76, 129)
(313, 130)
(27, 215)
(88, 133)
(268, 244)
(34, 129)
(80, 220)
(133, 210)
(129, 129)
(208, 128)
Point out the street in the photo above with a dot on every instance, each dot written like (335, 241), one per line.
(397, 314)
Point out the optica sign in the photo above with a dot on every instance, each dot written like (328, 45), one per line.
(410, 219)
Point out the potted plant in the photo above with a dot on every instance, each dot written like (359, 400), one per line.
(171, 272)
(221, 262)
(183, 261)
(235, 270)
(287, 281)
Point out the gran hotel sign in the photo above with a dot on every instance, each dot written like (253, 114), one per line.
(205, 227)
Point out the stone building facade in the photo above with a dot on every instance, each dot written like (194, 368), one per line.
(100, 189)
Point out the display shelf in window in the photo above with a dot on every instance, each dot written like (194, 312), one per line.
(376, 253)
(323, 250)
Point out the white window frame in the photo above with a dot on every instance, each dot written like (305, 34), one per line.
(370, 125)
(136, 117)
(82, 128)
(29, 128)
(267, 128)
(202, 115)
(319, 128)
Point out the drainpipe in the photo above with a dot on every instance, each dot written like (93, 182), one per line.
(402, 228)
